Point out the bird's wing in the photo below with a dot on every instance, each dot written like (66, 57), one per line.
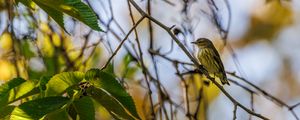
(217, 58)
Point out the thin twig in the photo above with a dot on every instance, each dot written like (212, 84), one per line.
(234, 111)
(252, 104)
(199, 99)
(120, 45)
(142, 63)
(151, 38)
(185, 92)
(296, 105)
(267, 95)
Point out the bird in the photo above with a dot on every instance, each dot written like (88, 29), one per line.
(209, 57)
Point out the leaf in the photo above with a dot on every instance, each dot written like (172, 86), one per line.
(109, 69)
(109, 84)
(5, 112)
(59, 83)
(56, 15)
(267, 22)
(128, 69)
(113, 106)
(6, 41)
(7, 70)
(43, 85)
(6, 88)
(127, 59)
(85, 108)
(43, 82)
(25, 89)
(74, 8)
(35, 74)
(16, 89)
(38, 108)
(26, 46)
(51, 64)
(132, 70)
(72, 112)
(60, 114)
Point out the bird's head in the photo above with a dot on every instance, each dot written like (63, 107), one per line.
(203, 42)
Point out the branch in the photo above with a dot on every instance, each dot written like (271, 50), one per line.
(122, 42)
(269, 96)
(142, 62)
(185, 93)
(168, 30)
(234, 111)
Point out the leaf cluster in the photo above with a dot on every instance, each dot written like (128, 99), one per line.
(66, 95)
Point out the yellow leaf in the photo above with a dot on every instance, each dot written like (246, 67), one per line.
(21, 64)
(6, 41)
(209, 94)
(267, 22)
(56, 39)
(47, 46)
(7, 70)
(212, 91)
(45, 28)
(74, 54)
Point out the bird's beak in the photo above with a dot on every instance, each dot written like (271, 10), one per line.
(193, 42)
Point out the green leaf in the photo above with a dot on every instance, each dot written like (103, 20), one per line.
(59, 83)
(35, 74)
(110, 85)
(43, 85)
(51, 64)
(6, 88)
(72, 112)
(109, 69)
(5, 112)
(128, 69)
(112, 105)
(25, 89)
(127, 59)
(60, 114)
(55, 14)
(26, 46)
(85, 108)
(74, 8)
(43, 82)
(16, 89)
(38, 108)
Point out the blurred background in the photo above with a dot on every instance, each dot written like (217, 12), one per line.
(258, 40)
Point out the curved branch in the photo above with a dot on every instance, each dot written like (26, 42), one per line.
(168, 30)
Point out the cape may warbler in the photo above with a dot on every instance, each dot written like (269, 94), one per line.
(210, 59)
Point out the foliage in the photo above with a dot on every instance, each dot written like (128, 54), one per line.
(74, 8)
(66, 94)
(267, 22)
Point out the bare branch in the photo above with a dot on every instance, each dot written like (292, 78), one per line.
(167, 29)
(120, 45)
